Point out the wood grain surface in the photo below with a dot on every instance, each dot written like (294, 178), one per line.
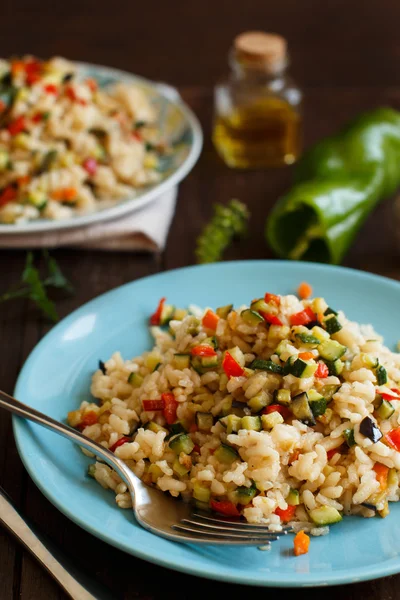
(346, 56)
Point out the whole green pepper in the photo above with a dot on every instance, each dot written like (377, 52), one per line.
(338, 183)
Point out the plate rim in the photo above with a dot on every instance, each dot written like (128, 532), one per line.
(131, 204)
(335, 577)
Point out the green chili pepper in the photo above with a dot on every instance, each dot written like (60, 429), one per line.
(338, 182)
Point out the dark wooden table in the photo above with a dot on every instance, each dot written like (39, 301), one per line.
(345, 54)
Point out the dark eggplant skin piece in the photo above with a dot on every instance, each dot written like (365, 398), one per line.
(370, 430)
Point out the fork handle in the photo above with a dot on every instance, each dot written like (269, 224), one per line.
(22, 410)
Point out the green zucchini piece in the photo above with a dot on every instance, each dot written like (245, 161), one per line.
(182, 443)
(381, 375)
(266, 365)
(308, 339)
(301, 409)
(331, 350)
(244, 494)
(226, 454)
(282, 397)
(349, 437)
(335, 367)
(204, 421)
(223, 311)
(181, 361)
(287, 369)
(209, 362)
(179, 469)
(91, 470)
(251, 423)
(232, 424)
(320, 333)
(269, 421)
(167, 313)
(325, 515)
(135, 379)
(251, 318)
(332, 324)
(317, 403)
(153, 426)
(201, 493)
(368, 361)
(293, 498)
(303, 368)
(258, 402)
(330, 311)
(329, 390)
(385, 410)
(260, 305)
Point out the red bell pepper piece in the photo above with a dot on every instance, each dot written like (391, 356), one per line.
(210, 320)
(272, 299)
(322, 370)
(170, 407)
(193, 428)
(7, 195)
(17, 125)
(153, 404)
(303, 317)
(286, 514)
(3, 106)
(196, 448)
(271, 319)
(156, 317)
(332, 452)
(90, 165)
(224, 508)
(393, 438)
(90, 418)
(50, 88)
(203, 350)
(137, 136)
(231, 367)
(388, 397)
(92, 84)
(120, 442)
(283, 410)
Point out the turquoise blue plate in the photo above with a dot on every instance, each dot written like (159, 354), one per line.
(56, 378)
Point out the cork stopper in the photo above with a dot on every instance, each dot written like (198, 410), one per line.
(261, 50)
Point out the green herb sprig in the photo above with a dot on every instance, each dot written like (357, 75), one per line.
(227, 223)
(34, 288)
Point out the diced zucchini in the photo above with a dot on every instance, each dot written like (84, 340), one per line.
(258, 402)
(181, 361)
(177, 427)
(266, 365)
(181, 443)
(204, 421)
(179, 469)
(210, 341)
(226, 454)
(385, 410)
(325, 515)
(135, 379)
(152, 361)
(209, 362)
(38, 199)
(167, 313)
(203, 506)
(251, 318)
(348, 435)
(226, 406)
(317, 403)
(237, 355)
(308, 339)
(260, 305)
(393, 478)
(287, 369)
(293, 498)
(269, 421)
(381, 375)
(318, 305)
(155, 472)
(283, 346)
(4, 160)
(303, 368)
(251, 423)
(153, 426)
(326, 418)
(328, 391)
(282, 397)
(331, 350)
(233, 424)
(335, 367)
(91, 470)
(201, 493)
(368, 361)
(179, 314)
(330, 311)
(332, 324)
(244, 494)
(320, 333)
(301, 409)
(223, 311)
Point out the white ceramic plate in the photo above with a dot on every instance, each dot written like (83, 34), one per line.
(181, 129)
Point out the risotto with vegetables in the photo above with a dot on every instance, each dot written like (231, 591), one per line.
(68, 147)
(280, 412)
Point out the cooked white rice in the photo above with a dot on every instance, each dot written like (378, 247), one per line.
(271, 472)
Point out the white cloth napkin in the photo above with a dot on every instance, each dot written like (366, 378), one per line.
(146, 229)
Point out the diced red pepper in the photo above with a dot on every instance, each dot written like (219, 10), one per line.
(203, 350)
(137, 136)
(17, 67)
(210, 320)
(23, 180)
(332, 452)
(156, 317)
(92, 84)
(285, 514)
(72, 95)
(381, 474)
(395, 391)
(3, 106)
(7, 195)
(322, 370)
(303, 317)
(120, 442)
(50, 88)
(170, 407)
(196, 448)
(389, 397)
(224, 508)
(306, 355)
(294, 456)
(271, 319)
(393, 438)
(37, 117)
(90, 165)
(272, 299)
(33, 71)
(153, 404)
(17, 125)
(193, 428)
(231, 367)
(32, 78)
(90, 418)
(283, 410)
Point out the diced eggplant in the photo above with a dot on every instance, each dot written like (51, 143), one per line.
(370, 430)
(301, 409)
(204, 421)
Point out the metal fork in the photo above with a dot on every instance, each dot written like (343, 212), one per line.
(153, 509)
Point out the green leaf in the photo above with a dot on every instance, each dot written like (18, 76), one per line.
(55, 277)
(36, 290)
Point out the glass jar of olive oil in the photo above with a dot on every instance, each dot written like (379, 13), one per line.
(257, 120)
